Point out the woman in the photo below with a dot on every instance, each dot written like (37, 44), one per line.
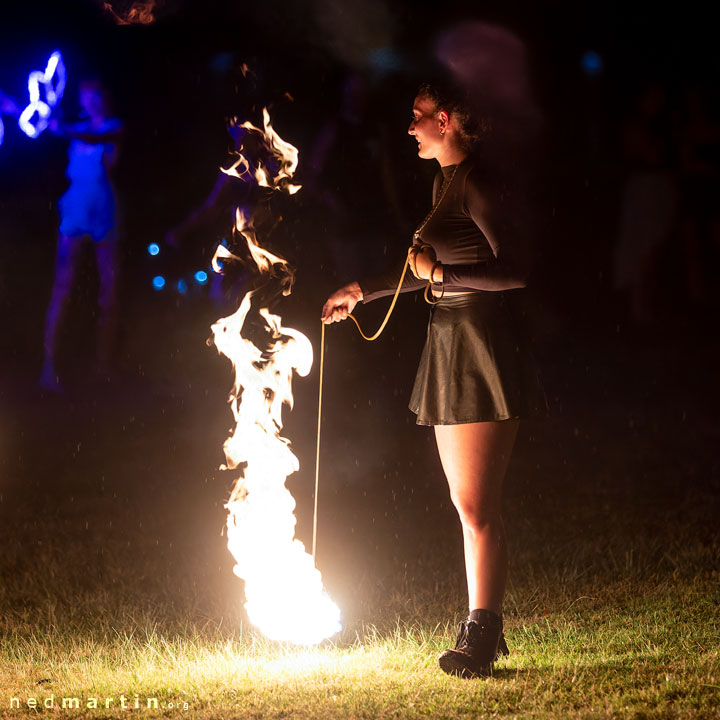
(87, 218)
(474, 381)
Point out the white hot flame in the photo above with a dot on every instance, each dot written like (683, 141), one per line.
(284, 592)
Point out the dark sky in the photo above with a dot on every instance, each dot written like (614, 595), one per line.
(176, 80)
(182, 71)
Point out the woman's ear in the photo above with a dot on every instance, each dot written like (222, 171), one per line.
(443, 119)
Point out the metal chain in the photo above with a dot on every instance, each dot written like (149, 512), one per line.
(443, 190)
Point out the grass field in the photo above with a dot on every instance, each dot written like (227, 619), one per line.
(115, 579)
(638, 638)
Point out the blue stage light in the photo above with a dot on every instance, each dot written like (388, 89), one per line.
(182, 287)
(153, 248)
(158, 282)
(592, 63)
(201, 277)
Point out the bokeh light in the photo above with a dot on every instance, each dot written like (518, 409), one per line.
(592, 63)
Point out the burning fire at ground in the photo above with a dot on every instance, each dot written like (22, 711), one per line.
(284, 592)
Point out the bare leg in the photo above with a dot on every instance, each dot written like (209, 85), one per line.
(106, 256)
(68, 254)
(475, 457)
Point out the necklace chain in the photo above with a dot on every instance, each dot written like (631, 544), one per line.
(441, 195)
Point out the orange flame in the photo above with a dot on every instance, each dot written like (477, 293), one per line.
(284, 592)
(140, 13)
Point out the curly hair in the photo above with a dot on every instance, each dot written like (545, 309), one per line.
(447, 96)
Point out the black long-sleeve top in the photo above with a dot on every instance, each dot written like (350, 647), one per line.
(473, 233)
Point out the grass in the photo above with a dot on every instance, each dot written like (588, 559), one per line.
(626, 626)
(115, 579)
(626, 657)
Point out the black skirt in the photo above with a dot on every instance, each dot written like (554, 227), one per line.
(475, 366)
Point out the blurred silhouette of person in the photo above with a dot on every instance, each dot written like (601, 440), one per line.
(217, 212)
(700, 193)
(649, 203)
(88, 219)
(350, 175)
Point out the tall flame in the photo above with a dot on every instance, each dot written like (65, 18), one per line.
(284, 592)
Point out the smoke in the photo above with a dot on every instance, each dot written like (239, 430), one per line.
(353, 31)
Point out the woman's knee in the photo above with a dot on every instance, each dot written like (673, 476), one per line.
(66, 260)
(476, 514)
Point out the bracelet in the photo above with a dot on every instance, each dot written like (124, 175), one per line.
(432, 270)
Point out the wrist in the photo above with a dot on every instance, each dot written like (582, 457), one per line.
(355, 289)
(436, 273)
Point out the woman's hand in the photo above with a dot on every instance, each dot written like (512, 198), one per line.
(424, 259)
(8, 105)
(341, 303)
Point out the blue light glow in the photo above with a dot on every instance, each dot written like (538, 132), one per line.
(592, 63)
(34, 118)
(158, 282)
(201, 277)
(384, 60)
(182, 287)
(30, 125)
(2, 131)
(153, 249)
(54, 79)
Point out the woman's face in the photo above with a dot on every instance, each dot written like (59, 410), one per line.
(428, 127)
(92, 101)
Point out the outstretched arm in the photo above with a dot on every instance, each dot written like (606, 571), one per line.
(342, 302)
(220, 196)
(112, 135)
(378, 286)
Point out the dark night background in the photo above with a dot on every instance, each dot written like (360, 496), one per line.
(631, 406)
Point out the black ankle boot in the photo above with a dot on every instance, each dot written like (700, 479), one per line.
(476, 647)
(503, 650)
